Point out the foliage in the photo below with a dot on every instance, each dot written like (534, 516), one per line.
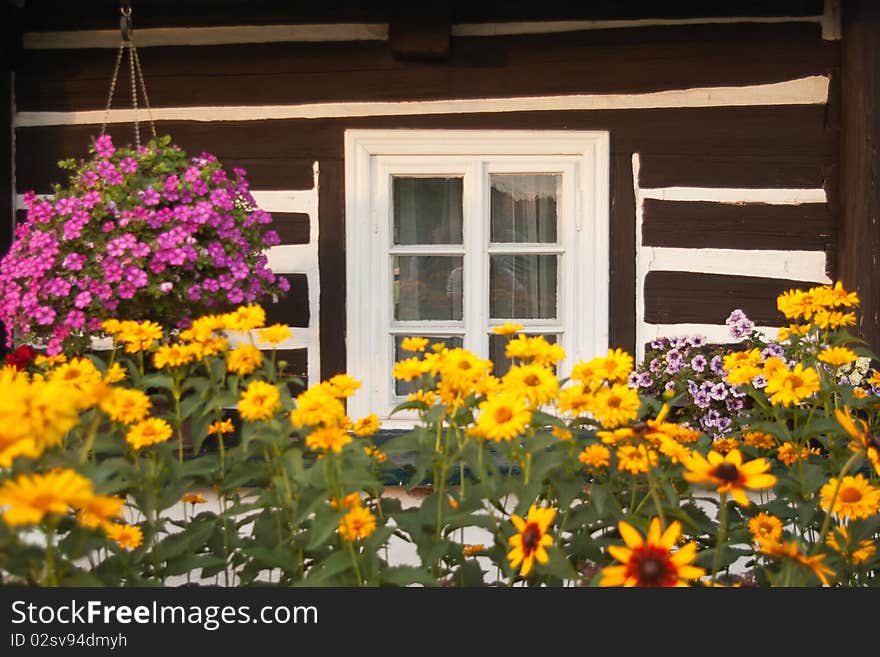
(531, 480)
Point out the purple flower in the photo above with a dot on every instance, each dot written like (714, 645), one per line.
(104, 146)
(83, 299)
(128, 164)
(74, 261)
(645, 380)
(150, 196)
(698, 363)
(75, 319)
(740, 325)
(717, 365)
(773, 349)
(44, 315)
(759, 382)
(718, 392)
(701, 399)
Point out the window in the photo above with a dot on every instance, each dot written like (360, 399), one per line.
(451, 233)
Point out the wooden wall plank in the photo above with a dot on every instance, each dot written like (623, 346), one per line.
(595, 61)
(622, 299)
(781, 170)
(331, 262)
(750, 132)
(293, 309)
(684, 297)
(693, 224)
(858, 263)
(292, 227)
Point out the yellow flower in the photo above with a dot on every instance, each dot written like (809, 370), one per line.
(128, 537)
(650, 561)
(791, 387)
(356, 524)
(375, 453)
(729, 473)
(259, 401)
(148, 432)
(49, 361)
(503, 417)
(788, 453)
(126, 405)
(138, 336)
(275, 334)
(561, 433)
(575, 399)
(115, 373)
(203, 328)
(245, 318)
(535, 350)
(837, 356)
(221, 427)
(508, 328)
(366, 426)
(616, 366)
(636, 458)
(759, 439)
(862, 440)
(764, 527)
(673, 450)
(318, 405)
(343, 385)
(536, 383)
(414, 344)
(173, 355)
(791, 550)
(193, 498)
(29, 498)
(328, 439)
(244, 359)
(471, 550)
(796, 303)
(851, 497)
(350, 501)
(98, 510)
(834, 319)
(733, 360)
(427, 397)
(595, 456)
(616, 405)
(409, 368)
(531, 540)
(836, 296)
(839, 540)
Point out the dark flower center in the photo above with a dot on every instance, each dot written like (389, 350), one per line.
(531, 537)
(532, 380)
(503, 415)
(727, 472)
(850, 495)
(650, 570)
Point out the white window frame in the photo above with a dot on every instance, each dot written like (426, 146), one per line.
(372, 156)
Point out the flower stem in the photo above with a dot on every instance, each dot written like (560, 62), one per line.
(722, 537)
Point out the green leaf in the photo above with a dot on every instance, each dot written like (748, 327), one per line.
(322, 572)
(325, 523)
(405, 576)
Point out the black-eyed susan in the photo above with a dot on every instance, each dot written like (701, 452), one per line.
(531, 540)
(357, 524)
(862, 439)
(790, 550)
(851, 497)
(259, 401)
(728, 473)
(149, 431)
(193, 498)
(856, 553)
(27, 499)
(765, 527)
(651, 561)
(503, 417)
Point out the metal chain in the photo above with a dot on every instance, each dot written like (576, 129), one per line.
(137, 62)
(112, 87)
(134, 99)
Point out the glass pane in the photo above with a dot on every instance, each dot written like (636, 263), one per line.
(522, 286)
(427, 287)
(427, 210)
(497, 345)
(403, 388)
(523, 207)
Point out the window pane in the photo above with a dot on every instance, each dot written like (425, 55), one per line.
(497, 346)
(403, 388)
(523, 207)
(427, 210)
(427, 287)
(522, 286)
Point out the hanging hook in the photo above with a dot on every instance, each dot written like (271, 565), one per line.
(125, 19)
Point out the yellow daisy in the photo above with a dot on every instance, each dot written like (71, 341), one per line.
(508, 328)
(531, 540)
(595, 456)
(764, 527)
(244, 359)
(259, 401)
(536, 383)
(728, 473)
(128, 537)
(791, 387)
(636, 459)
(414, 344)
(851, 497)
(357, 524)
(27, 499)
(616, 405)
(503, 417)
(148, 432)
(275, 333)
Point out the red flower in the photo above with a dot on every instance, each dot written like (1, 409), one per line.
(21, 357)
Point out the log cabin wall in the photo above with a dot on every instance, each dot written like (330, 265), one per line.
(724, 135)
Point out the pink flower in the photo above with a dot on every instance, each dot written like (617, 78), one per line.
(104, 146)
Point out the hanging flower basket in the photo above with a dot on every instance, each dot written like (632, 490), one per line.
(137, 233)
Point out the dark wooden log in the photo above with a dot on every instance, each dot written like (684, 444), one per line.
(296, 363)
(678, 134)
(858, 262)
(293, 309)
(637, 60)
(675, 297)
(692, 224)
(622, 301)
(292, 227)
(331, 262)
(420, 31)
